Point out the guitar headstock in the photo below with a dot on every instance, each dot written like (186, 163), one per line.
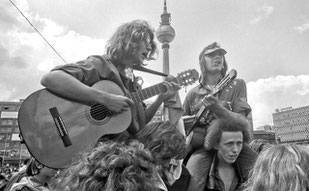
(226, 80)
(187, 77)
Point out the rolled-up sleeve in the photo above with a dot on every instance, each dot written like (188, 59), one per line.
(88, 71)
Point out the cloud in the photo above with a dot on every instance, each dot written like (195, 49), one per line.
(302, 28)
(264, 12)
(268, 94)
(25, 56)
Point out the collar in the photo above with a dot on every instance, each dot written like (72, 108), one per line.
(213, 172)
(160, 183)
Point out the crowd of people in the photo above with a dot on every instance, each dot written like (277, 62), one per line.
(217, 154)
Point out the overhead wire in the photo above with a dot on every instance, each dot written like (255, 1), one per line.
(38, 32)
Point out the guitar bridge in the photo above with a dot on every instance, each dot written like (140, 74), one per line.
(60, 127)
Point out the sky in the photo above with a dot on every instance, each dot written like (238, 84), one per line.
(267, 43)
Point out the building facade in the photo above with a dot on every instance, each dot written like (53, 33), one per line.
(11, 149)
(268, 136)
(292, 125)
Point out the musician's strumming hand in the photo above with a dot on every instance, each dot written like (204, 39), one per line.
(117, 103)
(171, 88)
(210, 100)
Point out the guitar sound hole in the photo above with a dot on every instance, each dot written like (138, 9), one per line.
(99, 112)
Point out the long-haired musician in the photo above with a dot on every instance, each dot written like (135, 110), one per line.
(130, 45)
(213, 67)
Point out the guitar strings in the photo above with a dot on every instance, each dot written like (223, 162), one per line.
(99, 111)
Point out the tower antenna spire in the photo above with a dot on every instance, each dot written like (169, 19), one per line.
(165, 35)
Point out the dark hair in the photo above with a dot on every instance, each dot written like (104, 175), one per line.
(225, 121)
(128, 37)
(164, 141)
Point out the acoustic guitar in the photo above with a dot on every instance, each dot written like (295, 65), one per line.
(56, 130)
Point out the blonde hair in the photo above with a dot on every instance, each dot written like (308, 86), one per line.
(128, 37)
(111, 166)
(280, 168)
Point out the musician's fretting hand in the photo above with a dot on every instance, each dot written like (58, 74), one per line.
(171, 88)
(117, 103)
(210, 99)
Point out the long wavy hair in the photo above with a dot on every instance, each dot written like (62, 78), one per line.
(164, 141)
(226, 121)
(280, 168)
(111, 166)
(128, 37)
(202, 63)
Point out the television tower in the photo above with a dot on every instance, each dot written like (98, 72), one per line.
(165, 35)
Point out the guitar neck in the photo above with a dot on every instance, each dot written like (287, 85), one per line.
(223, 83)
(146, 93)
(183, 79)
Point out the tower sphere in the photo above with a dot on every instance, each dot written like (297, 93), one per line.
(165, 34)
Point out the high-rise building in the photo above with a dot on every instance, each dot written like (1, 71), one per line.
(11, 149)
(292, 125)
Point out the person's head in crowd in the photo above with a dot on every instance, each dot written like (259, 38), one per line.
(33, 167)
(259, 145)
(280, 168)
(164, 141)
(129, 39)
(226, 134)
(167, 146)
(35, 176)
(213, 53)
(111, 166)
(39, 171)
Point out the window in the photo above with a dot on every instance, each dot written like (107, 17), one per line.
(4, 122)
(9, 114)
(9, 107)
(16, 130)
(10, 122)
(5, 130)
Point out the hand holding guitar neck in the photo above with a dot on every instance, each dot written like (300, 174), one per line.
(171, 85)
(56, 129)
(208, 100)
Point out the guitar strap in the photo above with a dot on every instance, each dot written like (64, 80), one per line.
(142, 69)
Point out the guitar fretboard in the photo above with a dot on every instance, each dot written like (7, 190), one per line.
(183, 79)
(146, 93)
